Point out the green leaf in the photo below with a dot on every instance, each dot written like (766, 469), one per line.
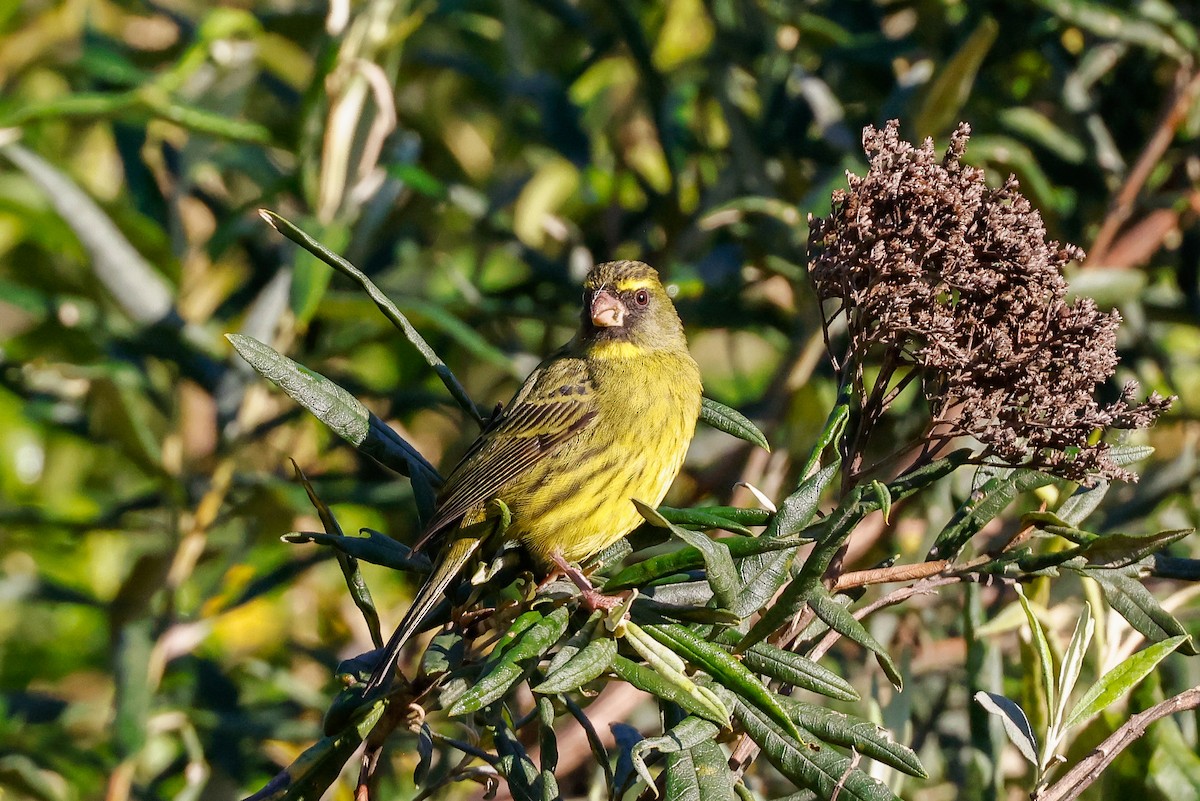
(688, 733)
(376, 548)
(731, 421)
(514, 661)
(1016, 725)
(576, 642)
(1134, 602)
(547, 741)
(763, 575)
(1117, 550)
(590, 663)
(444, 653)
(835, 529)
(705, 519)
(385, 305)
(651, 681)
(792, 668)
(820, 769)
(525, 782)
(312, 773)
(1041, 647)
(699, 774)
(839, 618)
(1072, 663)
(723, 667)
(799, 508)
(949, 91)
(985, 503)
(883, 497)
(349, 565)
(722, 575)
(685, 559)
(739, 516)
(342, 412)
(1083, 501)
(1120, 680)
(863, 736)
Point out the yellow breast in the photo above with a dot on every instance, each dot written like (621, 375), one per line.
(579, 500)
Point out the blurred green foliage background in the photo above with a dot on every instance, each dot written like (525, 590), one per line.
(157, 640)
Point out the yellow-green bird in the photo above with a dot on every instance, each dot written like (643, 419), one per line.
(605, 419)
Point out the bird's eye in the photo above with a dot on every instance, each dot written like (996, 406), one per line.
(641, 297)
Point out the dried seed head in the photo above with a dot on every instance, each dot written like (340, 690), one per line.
(941, 273)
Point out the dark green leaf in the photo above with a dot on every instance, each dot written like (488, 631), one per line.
(385, 305)
(1134, 602)
(838, 618)
(376, 548)
(514, 659)
(699, 774)
(685, 559)
(984, 504)
(808, 765)
(796, 670)
(731, 421)
(722, 575)
(762, 575)
(591, 662)
(314, 771)
(863, 736)
(650, 681)
(723, 667)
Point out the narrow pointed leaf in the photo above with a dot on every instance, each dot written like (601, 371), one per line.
(794, 669)
(1126, 594)
(650, 681)
(723, 667)
(839, 618)
(764, 574)
(983, 505)
(336, 408)
(722, 574)
(731, 421)
(385, 305)
(686, 559)
(1016, 725)
(349, 565)
(513, 663)
(376, 548)
(821, 769)
(1041, 647)
(1120, 680)
(315, 770)
(863, 736)
(1072, 662)
(590, 663)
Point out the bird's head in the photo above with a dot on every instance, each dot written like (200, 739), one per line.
(625, 304)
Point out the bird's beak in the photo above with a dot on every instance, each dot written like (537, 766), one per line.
(607, 311)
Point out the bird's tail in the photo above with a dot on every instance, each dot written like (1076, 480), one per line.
(450, 562)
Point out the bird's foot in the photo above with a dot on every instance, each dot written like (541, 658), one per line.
(592, 598)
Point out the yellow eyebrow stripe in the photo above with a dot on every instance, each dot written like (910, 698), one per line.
(634, 283)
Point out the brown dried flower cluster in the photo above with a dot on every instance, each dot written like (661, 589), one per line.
(935, 271)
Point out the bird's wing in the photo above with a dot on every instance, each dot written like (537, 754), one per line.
(554, 405)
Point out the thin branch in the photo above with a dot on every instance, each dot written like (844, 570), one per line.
(1088, 769)
(1122, 206)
